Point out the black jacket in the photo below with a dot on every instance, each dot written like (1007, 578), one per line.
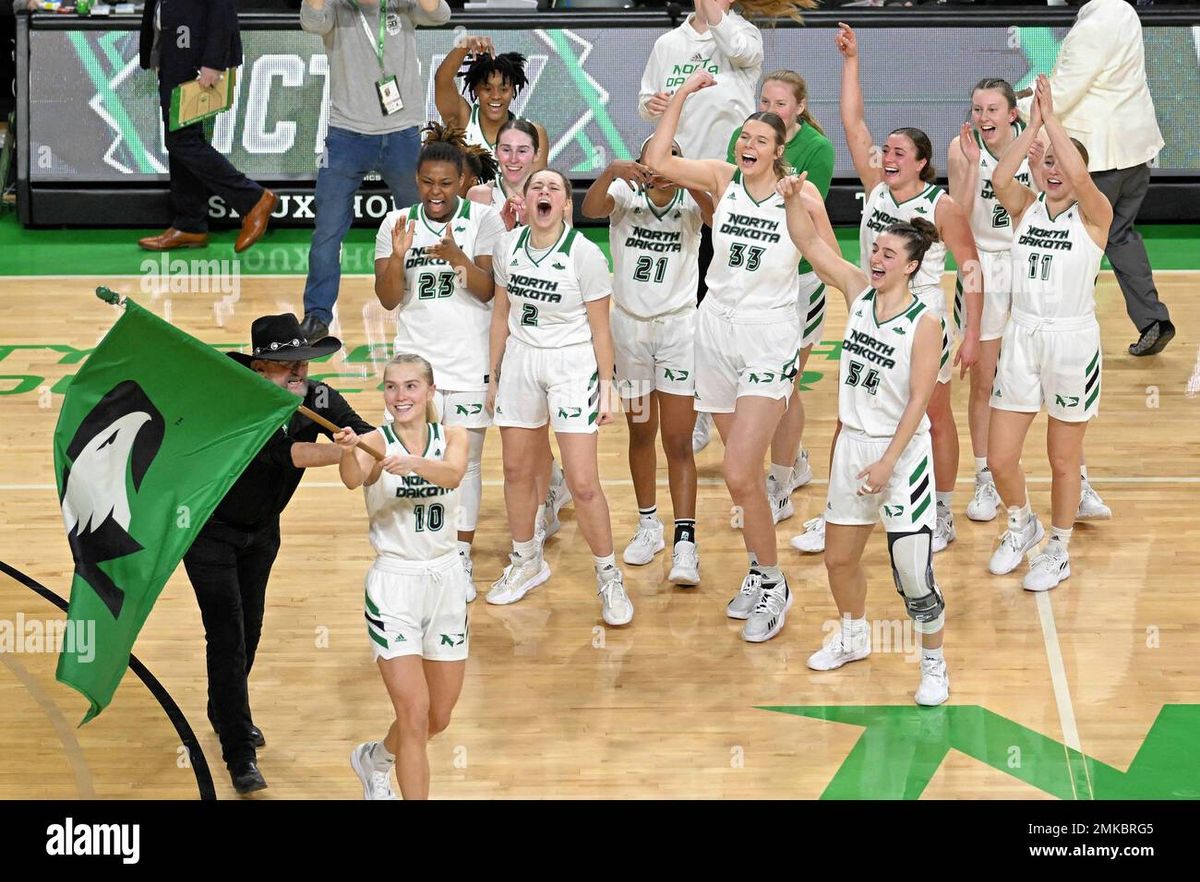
(266, 486)
(207, 28)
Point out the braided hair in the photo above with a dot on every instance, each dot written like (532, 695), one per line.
(481, 164)
(444, 143)
(510, 66)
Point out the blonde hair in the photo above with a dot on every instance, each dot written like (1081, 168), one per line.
(426, 371)
(773, 9)
(799, 89)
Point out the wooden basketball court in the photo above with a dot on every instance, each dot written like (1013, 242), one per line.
(1052, 695)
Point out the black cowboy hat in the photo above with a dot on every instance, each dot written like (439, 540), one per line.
(279, 338)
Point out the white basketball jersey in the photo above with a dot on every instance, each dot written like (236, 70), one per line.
(411, 518)
(547, 291)
(654, 251)
(440, 319)
(1054, 263)
(754, 259)
(875, 371)
(881, 211)
(474, 130)
(989, 220)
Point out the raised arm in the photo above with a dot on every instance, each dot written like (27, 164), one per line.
(710, 175)
(1094, 207)
(1011, 193)
(739, 40)
(825, 258)
(389, 269)
(452, 107)
(962, 167)
(316, 16)
(858, 136)
(597, 202)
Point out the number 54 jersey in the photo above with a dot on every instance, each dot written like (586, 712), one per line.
(875, 371)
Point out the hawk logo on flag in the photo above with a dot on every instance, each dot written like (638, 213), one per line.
(120, 436)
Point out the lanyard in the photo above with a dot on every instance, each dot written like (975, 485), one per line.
(383, 4)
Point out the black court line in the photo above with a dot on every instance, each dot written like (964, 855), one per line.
(204, 781)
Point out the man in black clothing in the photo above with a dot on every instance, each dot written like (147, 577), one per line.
(187, 40)
(230, 561)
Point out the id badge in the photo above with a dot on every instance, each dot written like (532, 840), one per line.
(389, 96)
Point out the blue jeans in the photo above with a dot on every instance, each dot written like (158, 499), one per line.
(348, 158)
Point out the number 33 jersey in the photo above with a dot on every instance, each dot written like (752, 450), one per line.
(754, 259)
(440, 319)
(875, 371)
(411, 518)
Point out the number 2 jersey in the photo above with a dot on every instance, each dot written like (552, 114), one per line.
(654, 251)
(875, 370)
(990, 223)
(410, 518)
(548, 289)
(754, 259)
(440, 319)
(1054, 263)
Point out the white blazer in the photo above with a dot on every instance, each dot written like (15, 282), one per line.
(1100, 90)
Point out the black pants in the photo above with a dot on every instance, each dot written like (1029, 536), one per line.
(1125, 189)
(704, 258)
(197, 170)
(229, 569)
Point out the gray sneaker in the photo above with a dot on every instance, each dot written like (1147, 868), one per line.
(769, 614)
(746, 599)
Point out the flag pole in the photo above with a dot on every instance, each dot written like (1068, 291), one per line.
(110, 296)
(333, 427)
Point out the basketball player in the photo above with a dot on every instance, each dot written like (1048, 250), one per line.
(900, 188)
(516, 152)
(480, 168)
(493, 82)
(972, 159)
(654, 237)
(1050, 351)
(552, 358)
(433, 264)
(883, 455)
(416, 590)
(747, 330)
(785, 93)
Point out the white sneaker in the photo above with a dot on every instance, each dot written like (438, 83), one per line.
(646, 542)
(779, 500)
(685, 564)
(986, 501)
(746, 599)
(469, 569)
(376, 782)
(801, 472)
(1049, 568)
(539, 535)
(1013, 545)
(769, 613)
(702, 433)
(557, 496)
(935, 683)
(1091, 506)
(550, 524)
(518, 580)
(943, 529)
(836, 653)
(615, 606)
(812, 540)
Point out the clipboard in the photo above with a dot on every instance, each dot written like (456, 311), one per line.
(192, 103)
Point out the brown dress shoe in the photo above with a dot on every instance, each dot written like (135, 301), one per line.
(173, 238)
(255, 223)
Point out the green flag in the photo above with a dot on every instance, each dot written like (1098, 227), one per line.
(154, 430)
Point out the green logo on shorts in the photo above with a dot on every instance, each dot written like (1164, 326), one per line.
(400, 638)
(468, 409)
(893, 511)
(453, 639)
(1069, 401)
(675, 374)
(765, 377)
(563, 415)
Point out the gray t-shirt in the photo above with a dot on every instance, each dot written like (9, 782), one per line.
(354, 63)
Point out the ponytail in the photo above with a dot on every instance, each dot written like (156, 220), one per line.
(918, 235)
(799, 89)
(924, 150)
